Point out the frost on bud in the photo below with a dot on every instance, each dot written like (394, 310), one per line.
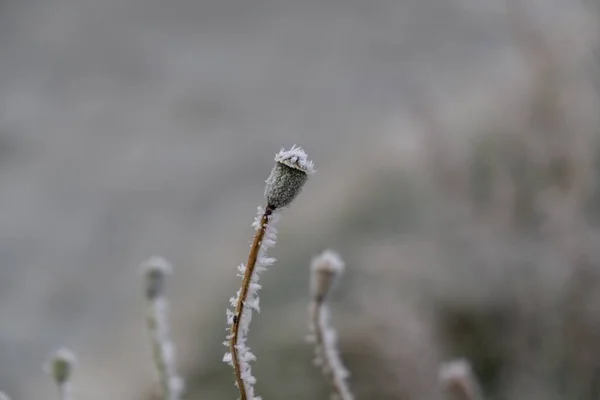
(325, 269)
(287, 177)
(60, 365)
(155, 271)
(458, 379)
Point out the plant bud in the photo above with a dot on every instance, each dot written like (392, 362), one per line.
(60, 365)
(287, 178)
(458, 379)
(325, 269)
(155, 270)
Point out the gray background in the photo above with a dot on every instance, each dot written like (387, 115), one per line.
(137, 127)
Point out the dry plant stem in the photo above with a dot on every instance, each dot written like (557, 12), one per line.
(287, 177)
(332, 368)
(163, 350)
(158, 354)
(64, 391)
(239, 308)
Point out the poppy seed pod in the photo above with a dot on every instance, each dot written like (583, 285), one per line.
(155, 270)
(325, 269)
(458, 379)
(288, 176)
(60, 365)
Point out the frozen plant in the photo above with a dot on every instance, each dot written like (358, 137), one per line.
(155, 271)
(459, 381)
(60, 366)
(285, 182)
(325, 269)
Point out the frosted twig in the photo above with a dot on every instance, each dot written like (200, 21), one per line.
(458, 380)
(60, 367)
(289, 174)
(163, 350)
(325, 269)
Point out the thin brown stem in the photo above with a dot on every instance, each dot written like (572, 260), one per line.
(239, 308)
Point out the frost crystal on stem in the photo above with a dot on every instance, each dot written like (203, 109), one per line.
(247, 300)
(60, 367)
(289, 174)
(325, 269)
(155, 271)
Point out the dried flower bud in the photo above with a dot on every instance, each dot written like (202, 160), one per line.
(60, 365)
(325, 268)
(458, 380)
(155, 270)
(289, 174)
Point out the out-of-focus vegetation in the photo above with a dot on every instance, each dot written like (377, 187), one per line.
(484, 246)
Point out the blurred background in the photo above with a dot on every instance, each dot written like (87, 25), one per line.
(458, 157)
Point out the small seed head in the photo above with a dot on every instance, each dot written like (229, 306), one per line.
(325, 269)
(60, 365)
(288, 176)
(155, 272)
(458, 379)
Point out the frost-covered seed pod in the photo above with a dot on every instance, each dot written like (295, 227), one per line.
(458, 379)
(60, 365)
(155, 270)
(287, 177)
(325, 269)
